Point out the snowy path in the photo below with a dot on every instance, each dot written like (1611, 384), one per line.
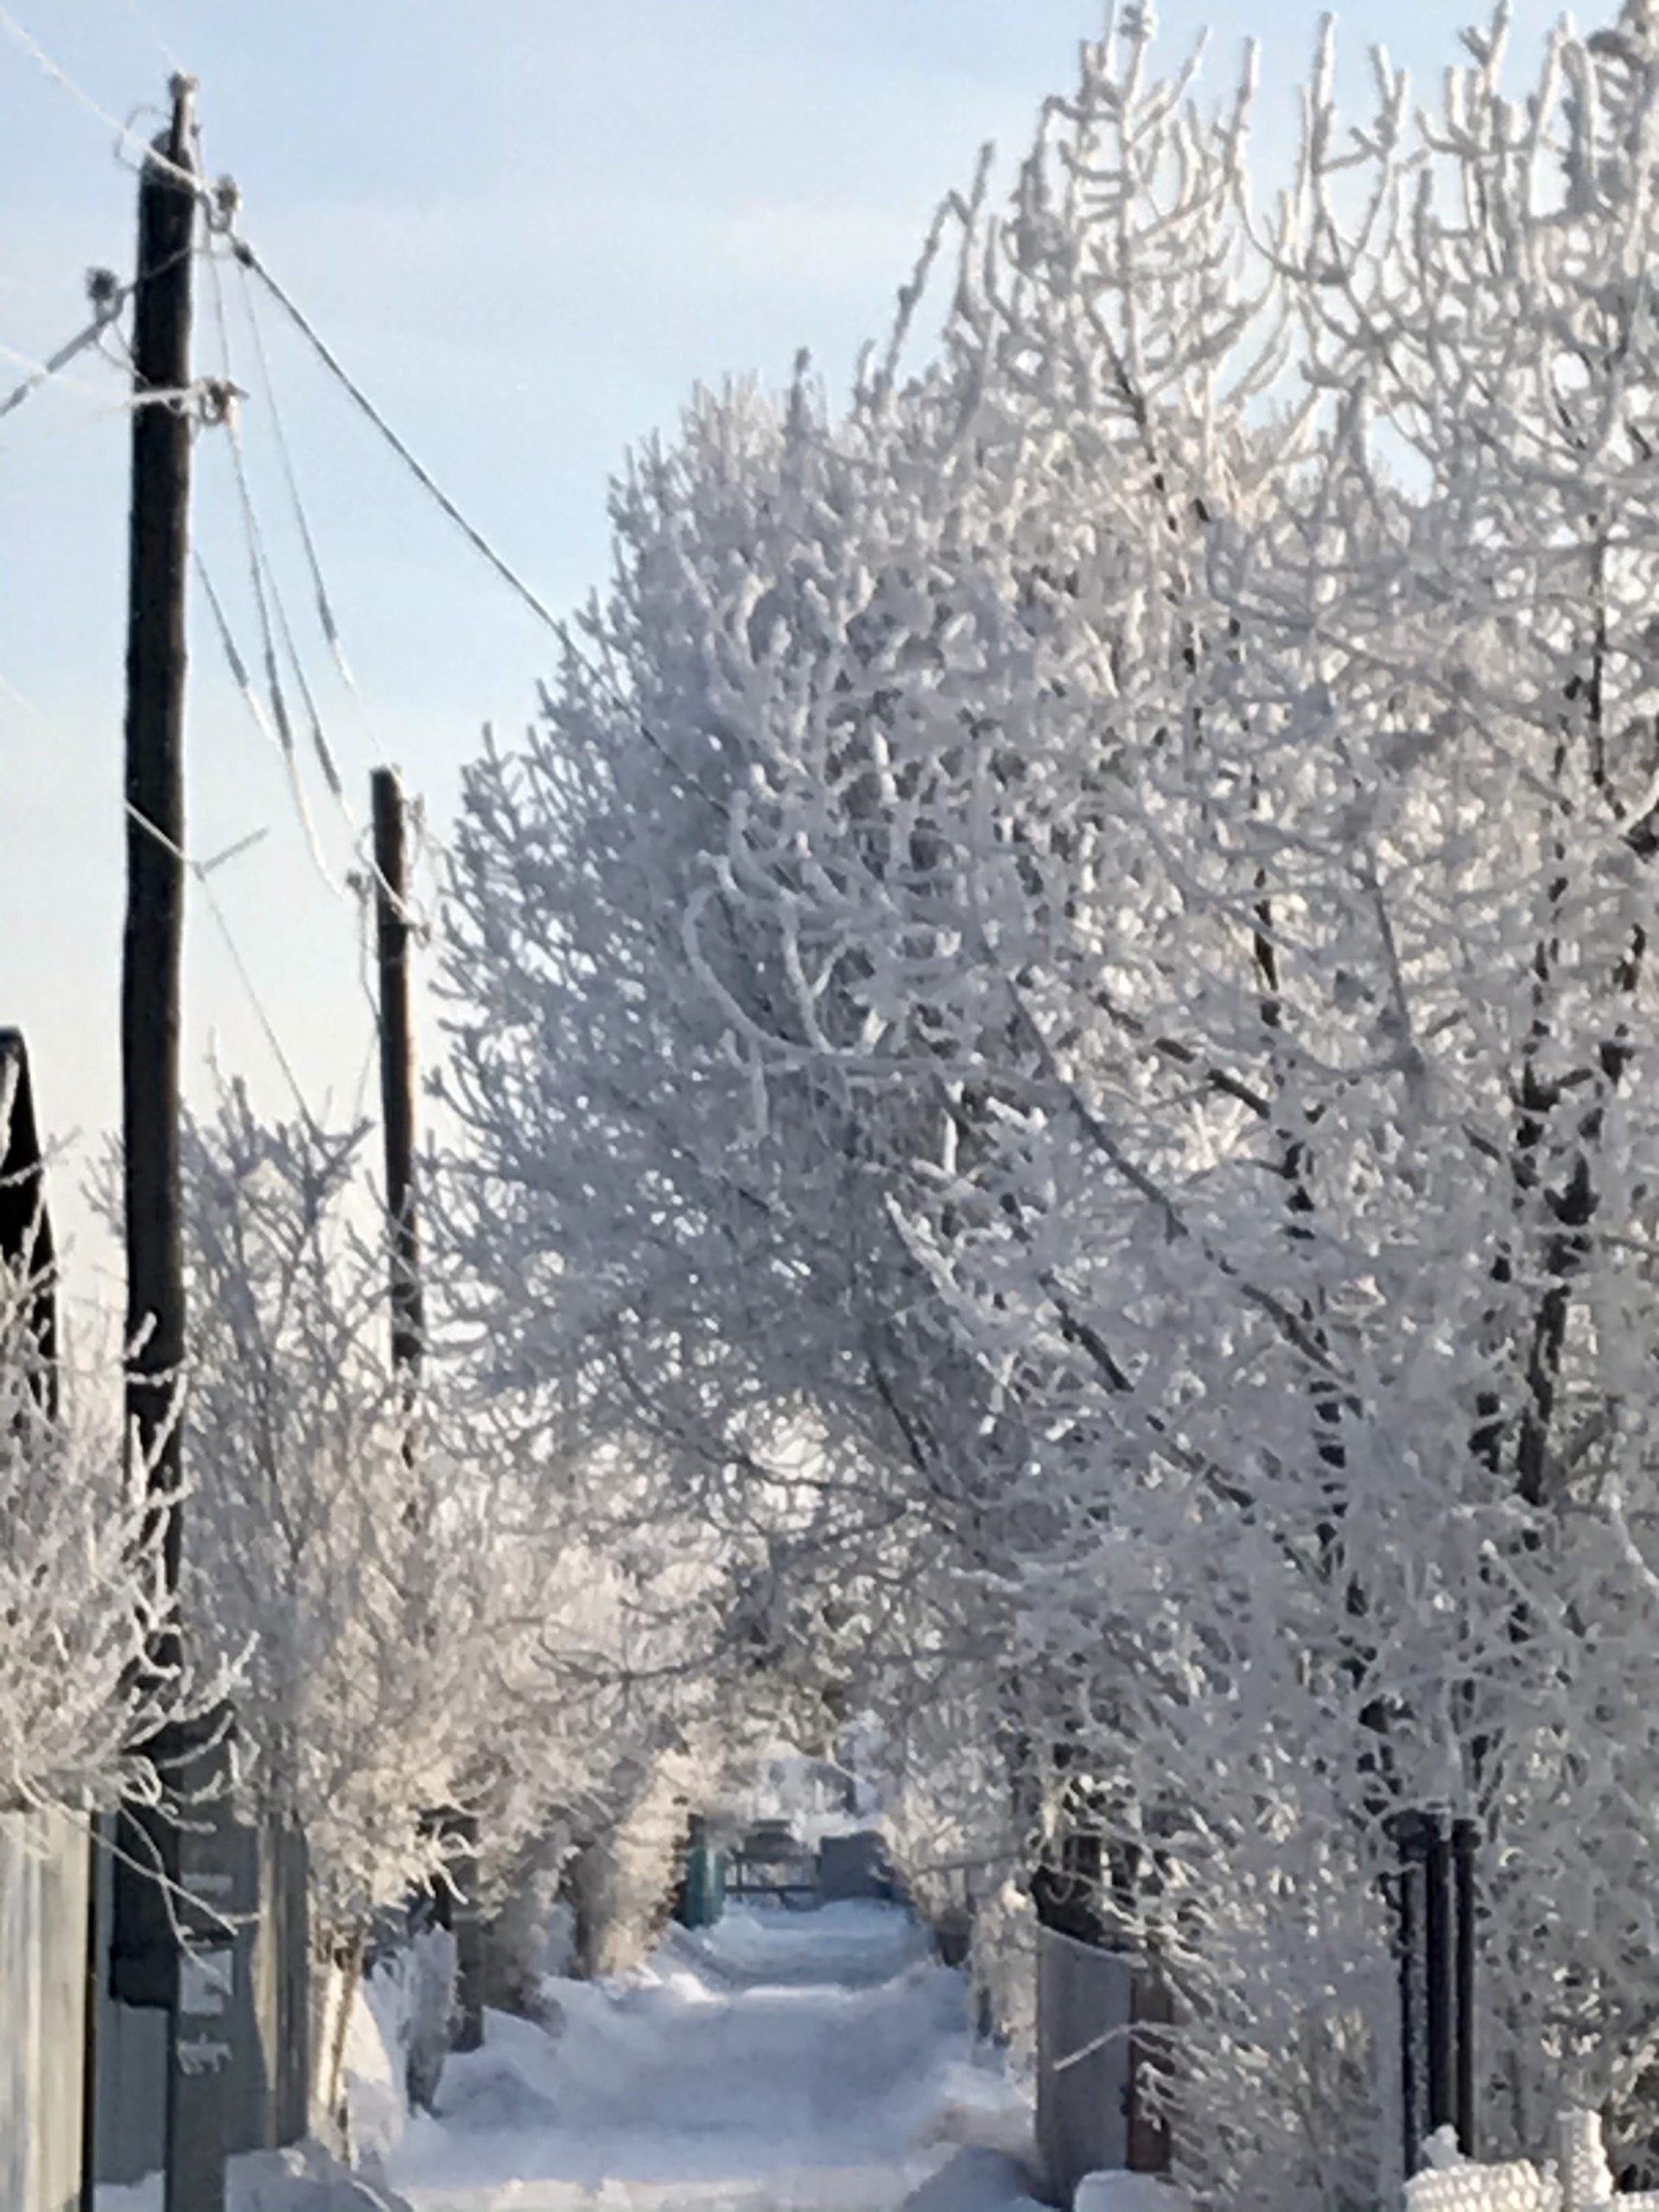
(782, 2062)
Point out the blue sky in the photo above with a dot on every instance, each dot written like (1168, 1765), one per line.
(529, 227)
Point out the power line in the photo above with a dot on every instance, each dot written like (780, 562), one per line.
(90, 420)
(244, 682)
(201, 870)
(23, 700)
(219, 200)
(124, 133)
(260, 558)
(325, 608)
(275, 624)
(261, 573)
(267, 591)
(245, 254)
(475, 537)
(108, 297)
(369, 877)
(267, 594)
(368, 739)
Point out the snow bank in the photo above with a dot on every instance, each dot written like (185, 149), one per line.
(377, 2104)
(975, 2180)
(302, 2178)
(980, 2109)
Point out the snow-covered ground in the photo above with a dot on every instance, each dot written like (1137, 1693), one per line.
(781, 2061)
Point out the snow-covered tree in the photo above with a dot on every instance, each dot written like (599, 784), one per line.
(343, 1554)
(1053, 1030)
(428, 1621)
(89, 1670)
(84, 1607)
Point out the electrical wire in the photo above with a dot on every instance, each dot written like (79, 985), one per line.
(108, 296)
(107, 309)
(214, 198)
(108, 299)
(362, 880)
(569, 642)
(325, 606)
(365, 877)
(270, 599)
(53, 434)
(238, 669)
(202, 871)
(320, 744)
(219, 200)
(475, 537)
(22, 699)
(124, 133)
(265, 589)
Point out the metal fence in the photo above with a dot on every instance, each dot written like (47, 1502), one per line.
(61, 2025)
(1085, 1998)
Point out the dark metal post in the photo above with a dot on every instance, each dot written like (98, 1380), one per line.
(1439, 1975)
(1409, 1838)
(1464, 1838)
(1436, 1905)
(462, 1921)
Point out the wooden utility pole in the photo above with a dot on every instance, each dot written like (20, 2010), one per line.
(154, 790)
(143, 1964)
(182, 1939)
(456, 1901)
(397, 1084)
(141, 1951)
(145, 1959)
(188, 1895)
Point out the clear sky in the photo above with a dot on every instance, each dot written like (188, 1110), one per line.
(529, 227)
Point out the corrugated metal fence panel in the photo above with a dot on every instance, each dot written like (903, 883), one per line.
(285, 2006)
(131, 2106)
(1084, 1998)
(45, 1860)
